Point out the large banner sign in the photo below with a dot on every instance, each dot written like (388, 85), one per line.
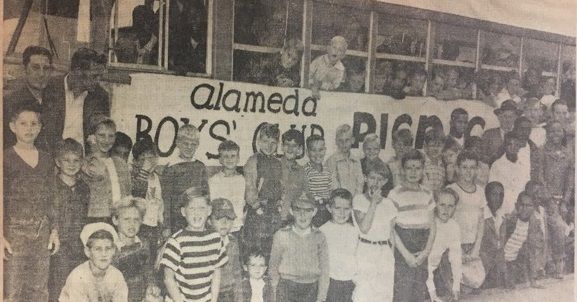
(231, 110)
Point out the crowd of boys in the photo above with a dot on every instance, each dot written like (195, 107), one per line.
(91, 224)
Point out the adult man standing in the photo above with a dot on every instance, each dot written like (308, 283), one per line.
(493, 138)
(37, 63)
(76, 97)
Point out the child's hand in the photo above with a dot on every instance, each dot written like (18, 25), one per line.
(7, 250)
(53, 242)
(153, 294)
(375, 195)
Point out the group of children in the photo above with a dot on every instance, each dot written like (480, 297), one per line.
(422, 226)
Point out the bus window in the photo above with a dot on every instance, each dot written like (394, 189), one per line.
(267, 42)
(451, 82)
(455, 43)
(332, 20)
(499, 50)
(539, 68)
(567, 89)
(398, 78)
(401, 36)
(138, 33)
(188, 35)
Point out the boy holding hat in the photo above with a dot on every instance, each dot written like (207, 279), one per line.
(96, 279)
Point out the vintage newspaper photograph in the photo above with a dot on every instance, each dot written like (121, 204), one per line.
(288, 150)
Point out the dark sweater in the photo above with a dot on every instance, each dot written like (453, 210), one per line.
(26, 190)
(176, 179)
(71, 206)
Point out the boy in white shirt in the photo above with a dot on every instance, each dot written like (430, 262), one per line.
(228, 183)
(342, 239)
(447, 238)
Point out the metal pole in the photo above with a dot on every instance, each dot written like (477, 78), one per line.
(20, 26)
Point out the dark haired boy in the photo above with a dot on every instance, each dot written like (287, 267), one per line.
(146, 184)
(491, 253)
(37, 63)
(459, 122)
(293, 174)
(256, 287)
(30, 226)
(402, 143)
(70, 194)
(524, 239)
(96, 279)
(435, 172)
(122, 146)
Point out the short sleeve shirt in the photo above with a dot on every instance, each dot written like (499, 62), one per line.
(194, 256)
(470, 206)
(414, 207)
(385, 212)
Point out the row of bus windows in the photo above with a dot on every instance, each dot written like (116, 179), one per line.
(268, 48)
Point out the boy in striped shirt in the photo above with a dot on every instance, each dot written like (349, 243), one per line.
(194, 255)
(319, 179)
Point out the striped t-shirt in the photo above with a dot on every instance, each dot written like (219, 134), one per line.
(320, 183)
(516, 240)
(414, 207)
(194, 256)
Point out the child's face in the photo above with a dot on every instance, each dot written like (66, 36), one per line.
(555, 133)
(69, 163)
(356, 82)
(459, 123)
(268, 145)
(401, 148)
(256, 267)
(316, 152)
(467, 171)
(187, 144)
(534, 113)
(100, 253)
(452, 79)
(450, 156)
(345, 142)
(105, 137)
(413, 170)
(375, 181)
(371, 150)
(128, 222)
(303, 213)
(434, 149)
(196, 213)
(26, 127)
(512, 146)
(507, 120)
(525, 207)
(336, 53)
(121, 151)
(221, 225)
(560, 112)
(147, 159)
(229, 159)
(495, 197)
(418, 81)
(289, 58)
(341, 210)
(437, 85)
(445, 207)
(291, 149)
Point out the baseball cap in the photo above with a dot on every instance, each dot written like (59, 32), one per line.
(222, 207)
(508, 105)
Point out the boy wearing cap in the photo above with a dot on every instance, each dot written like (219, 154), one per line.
(299, 261)
(96, 279)
(221, 220)
(193, 256)
(107, 176)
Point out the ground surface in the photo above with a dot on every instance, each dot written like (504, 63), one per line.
(555, 290)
